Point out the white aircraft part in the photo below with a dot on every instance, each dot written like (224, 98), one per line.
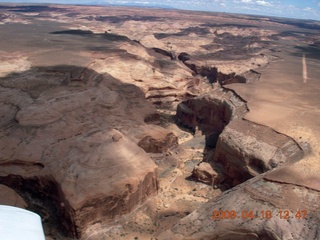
(19, 224)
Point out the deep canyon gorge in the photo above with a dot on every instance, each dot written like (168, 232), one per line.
(133, 123)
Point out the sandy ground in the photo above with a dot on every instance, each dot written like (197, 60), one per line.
(286, 97)
(178, 195)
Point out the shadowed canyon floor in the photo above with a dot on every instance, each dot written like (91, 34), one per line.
(128, 123)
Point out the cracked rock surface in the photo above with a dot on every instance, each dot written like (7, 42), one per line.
(128, 123)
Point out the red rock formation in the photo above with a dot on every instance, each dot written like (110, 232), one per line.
(243, 148)
(246, 149)
(154, 139)
(62, 148)
(9, 197)
(204, 172)
(256, 209)
(209, 113)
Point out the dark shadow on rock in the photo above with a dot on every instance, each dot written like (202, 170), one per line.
(87, 33)
(207, 117)
(202, 30)
(229, 25)
(124, 18)
(165, 53)
(33, 182)
(32, 8)
(311, 51)
(304, 24)
(107, 50)
(213, 74)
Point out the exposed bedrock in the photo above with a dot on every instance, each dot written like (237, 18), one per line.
(154, 139)
(204, 172)
(214, 75)
(206, 114)
(168, 95)
(74, 148)
(210, 113)
(171, 55)
(184, 57)
(164, 82)
(263, 210)
(238, 149)
(91, 186)
(246, 149)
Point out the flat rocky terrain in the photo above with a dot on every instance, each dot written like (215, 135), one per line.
(135, 123)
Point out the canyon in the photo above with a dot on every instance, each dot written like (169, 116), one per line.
(132, 123)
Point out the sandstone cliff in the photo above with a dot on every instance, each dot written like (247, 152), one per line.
(61, 147)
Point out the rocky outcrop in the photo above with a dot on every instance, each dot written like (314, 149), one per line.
(74, 141)
(257, 209)
(165, 95)
(171, 55)
(200, 67)
(69, 148)
(214, 75)
(210, 113)
(154, 139)
(9, 197)
(184, 57)
(246, 149)
(170, 94)
(206, 113)
(150, 41)
(162, 80)
(204, 172)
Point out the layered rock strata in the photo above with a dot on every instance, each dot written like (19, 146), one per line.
(246, 149)
(68, 147)
(69, 135)
(243, 149)
(256, 209)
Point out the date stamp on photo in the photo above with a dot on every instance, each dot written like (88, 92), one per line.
(263, 214)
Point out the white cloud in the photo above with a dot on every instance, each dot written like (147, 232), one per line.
(257, 2)
(264, 3)
(251, 9)
(308, 9)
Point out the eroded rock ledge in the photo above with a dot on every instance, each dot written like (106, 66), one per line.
(260, 165)
(235, 147)
(71, 151)
(214, 75)
(70, 135)
(257, 196)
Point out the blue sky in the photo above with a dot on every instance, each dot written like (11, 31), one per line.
(304, 9)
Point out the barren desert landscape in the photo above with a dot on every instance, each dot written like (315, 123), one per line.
(145, 123)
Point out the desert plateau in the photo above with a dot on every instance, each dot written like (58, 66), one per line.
(160, 124)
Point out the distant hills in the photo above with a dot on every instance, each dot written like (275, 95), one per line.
(133, 4)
